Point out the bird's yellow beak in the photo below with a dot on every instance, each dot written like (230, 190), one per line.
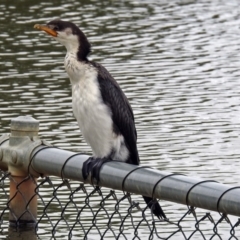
(46, 29)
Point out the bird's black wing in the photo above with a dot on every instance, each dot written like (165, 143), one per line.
(123, 120)
(122, 113)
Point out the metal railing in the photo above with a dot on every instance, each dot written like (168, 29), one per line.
(113, 214)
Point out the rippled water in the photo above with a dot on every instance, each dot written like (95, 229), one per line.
(177, 61)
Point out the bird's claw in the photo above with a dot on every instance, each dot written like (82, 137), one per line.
(93, 166)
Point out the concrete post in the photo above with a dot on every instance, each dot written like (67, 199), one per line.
(23, 199)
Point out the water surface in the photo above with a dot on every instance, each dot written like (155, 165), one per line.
(177, 62)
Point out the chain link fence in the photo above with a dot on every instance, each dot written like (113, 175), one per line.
(72, 210)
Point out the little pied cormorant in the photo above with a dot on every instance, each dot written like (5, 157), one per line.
(102, 110)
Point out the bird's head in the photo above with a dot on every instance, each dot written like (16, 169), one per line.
(69, 35)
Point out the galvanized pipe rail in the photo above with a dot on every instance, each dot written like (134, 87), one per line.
(144, 181)
(176, 188)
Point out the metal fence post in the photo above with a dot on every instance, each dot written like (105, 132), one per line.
(23, 199)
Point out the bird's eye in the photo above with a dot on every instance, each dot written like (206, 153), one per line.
(55, 28)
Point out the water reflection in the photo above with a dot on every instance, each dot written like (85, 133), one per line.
(178, 63)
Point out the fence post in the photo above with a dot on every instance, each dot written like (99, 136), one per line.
(23, 199)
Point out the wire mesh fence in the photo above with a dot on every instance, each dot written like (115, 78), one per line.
(72, 210)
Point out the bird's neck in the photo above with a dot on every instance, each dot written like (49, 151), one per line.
(79, 52)
(80, 49)
(75, 68)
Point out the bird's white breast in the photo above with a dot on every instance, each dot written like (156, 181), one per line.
(93, 116)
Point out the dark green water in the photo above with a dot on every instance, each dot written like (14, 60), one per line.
(177, 61)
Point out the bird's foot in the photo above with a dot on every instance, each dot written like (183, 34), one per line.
(93, 165)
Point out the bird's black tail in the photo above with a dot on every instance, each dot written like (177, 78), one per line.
(155, 206)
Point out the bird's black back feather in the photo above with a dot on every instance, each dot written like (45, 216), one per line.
(115, 99)
(123, 120)
(121, 110)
